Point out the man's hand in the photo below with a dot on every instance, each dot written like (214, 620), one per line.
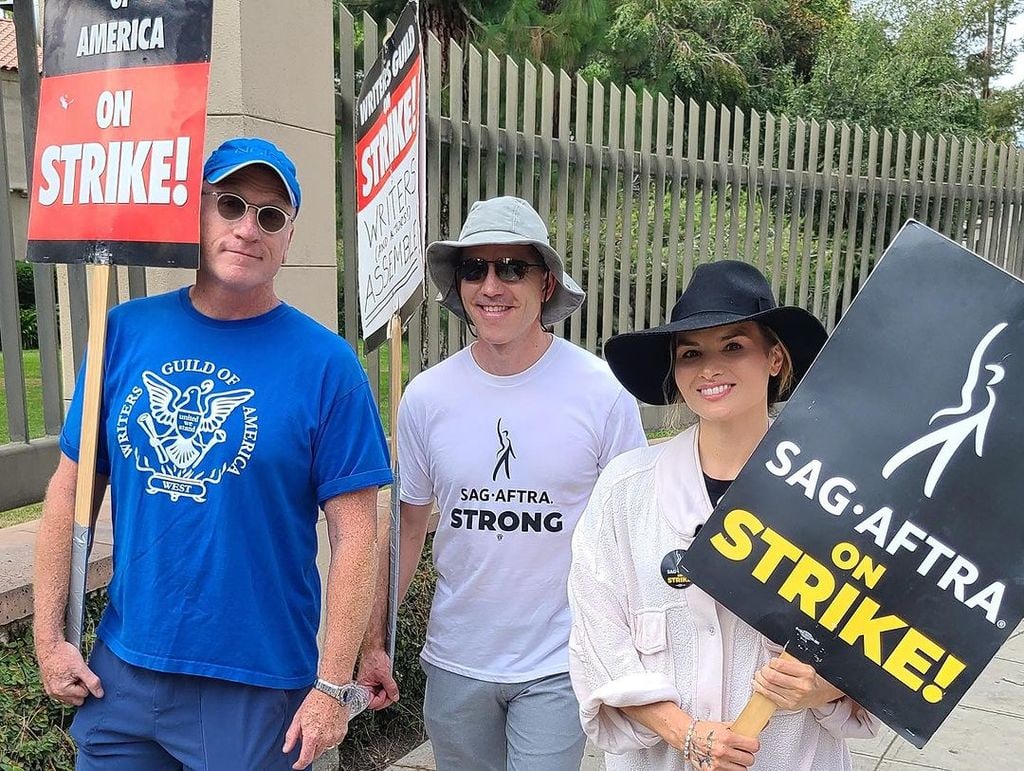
(791, 684)
(320, 723)
(375, 672)
(65, 675)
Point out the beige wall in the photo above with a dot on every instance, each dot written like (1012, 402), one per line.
(272, 75)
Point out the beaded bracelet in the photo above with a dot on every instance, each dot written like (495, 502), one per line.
(689, 739)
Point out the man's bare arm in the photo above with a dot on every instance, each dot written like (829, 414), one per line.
(320, 722)
(375, 666)
(64, 673)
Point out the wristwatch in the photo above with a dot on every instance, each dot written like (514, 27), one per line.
(351, 695)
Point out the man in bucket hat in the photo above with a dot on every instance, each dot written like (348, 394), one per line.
(508, 437)
(217, 465)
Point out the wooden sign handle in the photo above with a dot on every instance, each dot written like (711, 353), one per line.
(99, 286)
(395, 524)
(395, 391)
(757, 713)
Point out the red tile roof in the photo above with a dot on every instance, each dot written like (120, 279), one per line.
(9, 47)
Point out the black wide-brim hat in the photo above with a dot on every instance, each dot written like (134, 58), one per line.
(719, 293)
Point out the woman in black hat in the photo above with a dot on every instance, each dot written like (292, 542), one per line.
(660, 668)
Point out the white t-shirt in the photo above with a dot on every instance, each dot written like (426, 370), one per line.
(511, 462)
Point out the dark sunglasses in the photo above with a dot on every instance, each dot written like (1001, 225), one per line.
(507, 269)
(232, 207)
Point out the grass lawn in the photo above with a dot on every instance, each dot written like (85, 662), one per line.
(34, 394)
(384, 350)
(24, 514)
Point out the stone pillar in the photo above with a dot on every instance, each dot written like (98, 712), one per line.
(272, 76)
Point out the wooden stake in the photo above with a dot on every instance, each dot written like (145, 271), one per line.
(98, 277)
(396, 379)
(395, 529)
(757, 713)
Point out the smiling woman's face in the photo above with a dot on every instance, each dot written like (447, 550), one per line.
(722, 373)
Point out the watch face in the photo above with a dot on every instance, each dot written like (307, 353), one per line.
(356, 697)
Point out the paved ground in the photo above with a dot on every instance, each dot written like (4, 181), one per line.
(984, 733)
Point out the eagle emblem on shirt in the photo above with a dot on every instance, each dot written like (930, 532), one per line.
(183, 425)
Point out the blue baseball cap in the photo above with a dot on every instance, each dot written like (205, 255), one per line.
(240, 152)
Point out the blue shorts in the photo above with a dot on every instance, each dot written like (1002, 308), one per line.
(154, 721)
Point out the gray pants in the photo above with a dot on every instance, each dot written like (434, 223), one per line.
(480, 726)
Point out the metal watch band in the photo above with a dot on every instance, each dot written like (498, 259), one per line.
(352, 695)
(335, 691)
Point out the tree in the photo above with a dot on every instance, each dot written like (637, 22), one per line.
(919, 65)
(991, 55)
(746, 53)
(902, 71)
(559, 33)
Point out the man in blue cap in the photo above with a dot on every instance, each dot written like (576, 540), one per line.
(228, 419)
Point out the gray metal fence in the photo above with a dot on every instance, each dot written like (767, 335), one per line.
(638, 189)
(26, 460)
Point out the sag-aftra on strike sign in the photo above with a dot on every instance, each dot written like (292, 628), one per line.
(122, 114)
(876, 529)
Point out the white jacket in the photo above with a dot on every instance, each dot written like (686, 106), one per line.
(636, 640)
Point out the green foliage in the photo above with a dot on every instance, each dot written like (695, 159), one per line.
(27, 306)
(33, 727)
(879, 73)
(986, 47)
(744, 53)
(562, 34)
(559, 33)
(29, 328)
(33, 396)
(917, 65)
(1004, 114)
(26, 291)
(377, 737)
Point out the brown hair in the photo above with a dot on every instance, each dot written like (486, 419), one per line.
(779, 385)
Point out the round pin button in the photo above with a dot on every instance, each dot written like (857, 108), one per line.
(671, 570)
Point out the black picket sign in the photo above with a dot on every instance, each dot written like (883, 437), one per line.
(876, 528)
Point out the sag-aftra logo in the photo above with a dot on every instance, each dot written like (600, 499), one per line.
(970, 417)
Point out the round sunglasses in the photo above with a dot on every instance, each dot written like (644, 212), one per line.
(232, 207)
(507, 269)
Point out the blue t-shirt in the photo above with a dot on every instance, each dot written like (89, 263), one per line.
(222, 439)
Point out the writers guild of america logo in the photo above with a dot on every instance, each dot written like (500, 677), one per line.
(192, 433)
(977, 400)
(505, 454)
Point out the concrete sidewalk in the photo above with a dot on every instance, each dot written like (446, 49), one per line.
(984, 733)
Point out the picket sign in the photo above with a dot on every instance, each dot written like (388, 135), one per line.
(117, 177)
